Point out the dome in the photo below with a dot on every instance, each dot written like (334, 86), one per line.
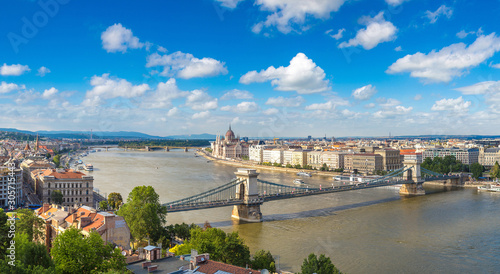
(229, 135)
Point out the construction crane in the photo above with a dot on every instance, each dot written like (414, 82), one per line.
(275, 140)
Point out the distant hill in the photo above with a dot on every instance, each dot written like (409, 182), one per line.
(204, 136)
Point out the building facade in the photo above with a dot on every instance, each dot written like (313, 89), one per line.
(464, 155)
(76, 187)
(333, 159)
(229, 147)
(364, 162)
(489, 156)
(391, 158)
(11, 186)
(272, 155)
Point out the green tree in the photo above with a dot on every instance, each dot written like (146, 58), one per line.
(57, 160)
(115, 200)
(297, 166)
(495, 171)
(144, 214)
(30, 224)
(324, 167)
(103, 205)
(227, 248)
(31, 257)
(263, 260)
(289, 165)
(4, 233)
(72, 252)
(56, 196)
(319, 265)
(477, 170)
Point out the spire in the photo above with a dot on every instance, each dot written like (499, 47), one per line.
(36, 143)
(229, 126)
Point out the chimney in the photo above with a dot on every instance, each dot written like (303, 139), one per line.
(84, 221)
(45, 208)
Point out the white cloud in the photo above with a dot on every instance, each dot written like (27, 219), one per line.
(8, 87)
(388, 103)
(281, 101)
(370, 105)
(164, 94)
(395, 2)
(118, 38)
(364, 93)
(417, 97)
(48, 93)
(271, 111)
(185, 65)
(237, 94)
(106, 87)
(398, 48)
(302, 75)
(442, 10)
(495, 66)
(481, 88)
(394, 112)
(229, 3)
(462, 34)
(42, 71)
(200, 100)
(201, 115)
(336, 36)
(377, 31)
(458, 105)
(286, 15)
(13, 70)
(172, 112)
(243, 107)
(449, 62)
(329, 105)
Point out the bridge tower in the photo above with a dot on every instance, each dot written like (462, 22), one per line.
(413, 174)
(249, 210)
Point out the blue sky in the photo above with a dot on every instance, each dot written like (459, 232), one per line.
(268, 67)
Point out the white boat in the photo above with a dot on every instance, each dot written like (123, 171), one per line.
(302, 173)
(89, 167)
(490, 188)
(298, 182)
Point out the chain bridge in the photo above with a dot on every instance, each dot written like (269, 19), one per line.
(246, 193)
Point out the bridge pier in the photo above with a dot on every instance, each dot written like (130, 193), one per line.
(416, 188)
(249, 210)
(167, 149)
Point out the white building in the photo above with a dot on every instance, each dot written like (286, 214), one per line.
(11, 182)
(333, 159)
(466, 156)
(272, 155)
(315, 159)
(256, 153)
(489, 156)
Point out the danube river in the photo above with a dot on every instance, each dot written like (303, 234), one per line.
(364, 231)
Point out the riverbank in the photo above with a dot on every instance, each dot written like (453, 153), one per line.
(261, 168)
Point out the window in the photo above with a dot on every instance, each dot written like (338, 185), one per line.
(87, 199)
(87, 192)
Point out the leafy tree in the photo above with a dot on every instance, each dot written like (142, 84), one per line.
(57, 160)
(144, 214)
(4, 232)
(56, 196)
(477, 170)
(74, 253)
(30, 224)
(227, 248)
(289, 165)
(31, 257)
(324, 167)
(495, 171)
(443, 165)
(297, 166)
(182, 249)
(103, 205)
(245, 158)
(115, 200)
(263, 260)
(319, 265)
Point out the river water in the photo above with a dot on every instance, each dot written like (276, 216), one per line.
(363, 231)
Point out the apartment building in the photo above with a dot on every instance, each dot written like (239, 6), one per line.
(464, 155)
(391, 158)
(314, 159)
(489, 156)
(363, 162)
(272, 155)
(11, 186)
(256, 153)
(333, 159)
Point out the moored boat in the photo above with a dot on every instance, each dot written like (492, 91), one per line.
(89, 167)
(298, 182)
(490, 188)
(306, 174)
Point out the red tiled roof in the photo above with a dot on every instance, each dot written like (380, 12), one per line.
(210, 267)
(67, 174)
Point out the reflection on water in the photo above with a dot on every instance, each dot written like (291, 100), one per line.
(364, 231)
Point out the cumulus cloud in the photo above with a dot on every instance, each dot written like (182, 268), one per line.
(364, 93)
(237, 94)
(495, 66)
(242, 107)
(42, 71)
(449, 62)
(336, 36)
(185, 65)
(395, 2)
(418, 97)
(442, 10)
(458, 105)
(117, 38)
(200, 100)
(172, 112)
(106, 87)
(8, 87)
(281, 101)
(286, 15)
(377, 31)
(201, 115)
(229, 3)
(388, 103)
(48, 93)
(165, 92)
(13, 70)
(398, 48)
(329, 105)
(302, 76)
(491, 91)
(271, 111)
(394, 112)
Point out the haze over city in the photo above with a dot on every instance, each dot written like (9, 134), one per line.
(268, 68)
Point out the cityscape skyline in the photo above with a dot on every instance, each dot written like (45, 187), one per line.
(286, 68)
